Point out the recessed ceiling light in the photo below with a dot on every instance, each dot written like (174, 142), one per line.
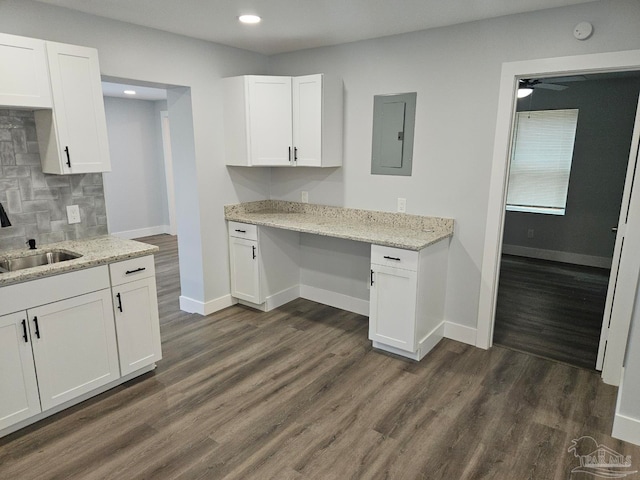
(129, 92)
(249, 18)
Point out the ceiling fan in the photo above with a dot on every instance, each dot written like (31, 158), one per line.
(527, 85)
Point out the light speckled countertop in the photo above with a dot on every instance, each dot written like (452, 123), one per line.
(401, 230)
(95, 251)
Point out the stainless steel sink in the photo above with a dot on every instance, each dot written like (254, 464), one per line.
(12, 264)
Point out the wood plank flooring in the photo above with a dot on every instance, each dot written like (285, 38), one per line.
(298, 393)
(551, 309)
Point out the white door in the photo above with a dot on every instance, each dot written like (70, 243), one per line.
(137, 325)
(307, 120)
(269, 117)
(24, 81)
(245, 270)
(18, 386)
(624, 273)
(392, 309)
(78, 108)
(74, 346)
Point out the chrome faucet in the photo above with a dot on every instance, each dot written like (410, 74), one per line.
(4, 220)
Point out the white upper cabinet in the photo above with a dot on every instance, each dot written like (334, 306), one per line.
(283, 121)
(73, 136)
(24, 79)
(269, 115)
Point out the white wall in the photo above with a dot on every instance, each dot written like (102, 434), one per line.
(455, 72)
(203, 183)
(135, 191)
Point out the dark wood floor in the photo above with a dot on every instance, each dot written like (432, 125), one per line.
(551, 309)
(298, 393)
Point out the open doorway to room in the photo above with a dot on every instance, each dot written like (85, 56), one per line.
(559, 230)
(139, 192)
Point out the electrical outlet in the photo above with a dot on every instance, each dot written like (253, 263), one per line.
(402, 205)
(73, 214)
(304, 197)
(530, 233)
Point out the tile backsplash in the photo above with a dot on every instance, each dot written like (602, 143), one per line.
(36, 202)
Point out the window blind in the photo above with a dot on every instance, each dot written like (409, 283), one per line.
(541, 161)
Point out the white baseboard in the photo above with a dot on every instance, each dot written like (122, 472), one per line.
(142, 232)
(425, 346)
(624, 427)
(334, 299)
(275, 300)
(557, 256)
(280, 298)
(460, 333)
(190, 305)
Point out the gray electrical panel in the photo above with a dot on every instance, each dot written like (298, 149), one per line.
(393, 126)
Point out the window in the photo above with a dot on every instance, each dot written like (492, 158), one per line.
(541, 161)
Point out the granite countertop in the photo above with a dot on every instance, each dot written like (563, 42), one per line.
(95, 251)
(401, 230)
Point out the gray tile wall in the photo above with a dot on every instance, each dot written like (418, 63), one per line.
(36, 202)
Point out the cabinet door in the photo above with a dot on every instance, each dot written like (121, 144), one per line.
(74, 346)
(18, 385)
(307, 120)
(269, 118)
(24, 81)
(137, 324)
(78, 127)
(393, 307)
(245, 270)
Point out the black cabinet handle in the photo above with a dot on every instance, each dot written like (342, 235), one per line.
(66, 149)
(119, 302)
(129, 272)
(392, 258)
(372, 277)
(295, 154)
(241, 231)
(24, 331)
(254, 251)
(289, 155)
(35, 321)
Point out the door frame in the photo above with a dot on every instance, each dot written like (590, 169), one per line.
(511, 73)
(165, 125)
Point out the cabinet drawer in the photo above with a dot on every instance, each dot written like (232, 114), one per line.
(394, 257)
(243, 230)
(130, 270)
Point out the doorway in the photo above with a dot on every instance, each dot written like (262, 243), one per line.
(563, 203)
(139, 192)
(629, 226)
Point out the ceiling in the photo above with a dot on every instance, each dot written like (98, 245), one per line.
(289, 25)
(112, 89)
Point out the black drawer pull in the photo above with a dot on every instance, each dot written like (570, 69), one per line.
(392, 258)
(35, 321)
(119, 302)
(371, 277)
(24, 331)
(254, 251)
(129, 272)
(66, 150)
(241, 231)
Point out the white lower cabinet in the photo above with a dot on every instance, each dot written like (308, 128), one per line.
(407, 297)
(18, 384)
(135, 304)
(55, 354)
(264, 264)
(245, 269)
(74, 346)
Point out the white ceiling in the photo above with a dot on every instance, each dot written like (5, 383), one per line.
(112, 89)
(290, 25)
